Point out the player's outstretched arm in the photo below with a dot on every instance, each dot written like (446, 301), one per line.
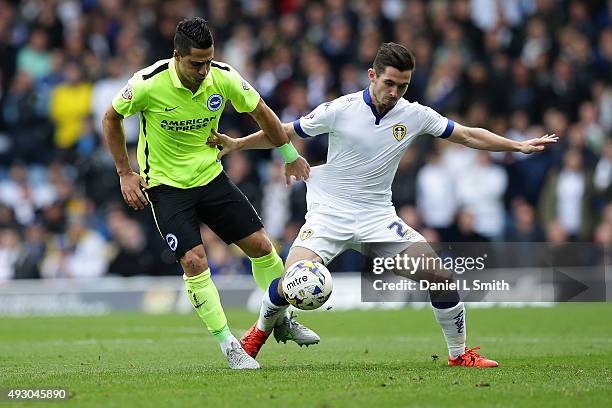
(482, 139)
(131, 183)
(298, 169)
(254, 141)
(295, 165)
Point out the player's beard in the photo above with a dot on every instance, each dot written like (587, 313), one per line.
(388, 103)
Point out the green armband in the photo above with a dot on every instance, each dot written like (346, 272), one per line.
(289, 153)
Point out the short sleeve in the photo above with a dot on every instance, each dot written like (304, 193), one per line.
(132, 98)
(432, 123)
(318, 122)
(243, 96)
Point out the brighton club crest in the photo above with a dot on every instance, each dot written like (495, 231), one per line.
(172, 241)
(215, 101)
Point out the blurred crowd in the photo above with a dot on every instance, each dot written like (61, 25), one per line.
(522, 68)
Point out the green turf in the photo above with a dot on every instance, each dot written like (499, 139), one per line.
(549, 357)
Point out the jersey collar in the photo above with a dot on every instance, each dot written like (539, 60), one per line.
(178, 84)
(367, 98)
(173, 75)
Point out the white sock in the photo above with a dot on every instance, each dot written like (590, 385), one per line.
(227, 343)
(452, 322)
(269, 313)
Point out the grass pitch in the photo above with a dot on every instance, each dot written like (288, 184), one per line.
(549, 357)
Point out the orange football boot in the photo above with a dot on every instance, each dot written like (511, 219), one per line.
(253, 340)
(470, 359)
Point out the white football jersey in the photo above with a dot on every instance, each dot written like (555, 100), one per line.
(364, 148)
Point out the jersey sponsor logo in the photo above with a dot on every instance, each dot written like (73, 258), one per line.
(310, 115)
(245, 85)
(399, 131)
(172, 241)
(127, 93)
(307, 233)
(186, 124)
(214, 102)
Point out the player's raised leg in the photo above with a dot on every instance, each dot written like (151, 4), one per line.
(204, 297)
(273, 314)
(286, 327)
(448, 309)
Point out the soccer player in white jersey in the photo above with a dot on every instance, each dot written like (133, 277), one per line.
(349, 197)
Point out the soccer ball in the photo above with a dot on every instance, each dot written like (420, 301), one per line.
(307, 285)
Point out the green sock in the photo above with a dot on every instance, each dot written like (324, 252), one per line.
(267, 268)
(222, 334)
(204, 297)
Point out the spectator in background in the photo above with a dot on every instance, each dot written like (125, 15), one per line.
(478, 86)
(481, 189)
(564, 91)
(70, 103)
(297, 104)
(23, 196)
(443, 89)
(566, 198)
(489, 14)
(35, 246)
(318, 77)
(8, 50)
(463, 229)
(524, 226)
(536, 44)
(602, 178)
(240, 171)
(275, 201)
(404, 185)
(7, 217)
(221, 259)
(456, 158)
(519, 131)
(28, 129)
(577, 139)
(16, 260)
(603, 56)
(35, 58)
(104, 90)
(48, 20)
(46, 84)
(10, 248)
(522, 230)
(238, 50)
(350, 80)
(602, 96)
(435, 194)
(129, 254)
(79, 253)
(594, 132)
(522, 94)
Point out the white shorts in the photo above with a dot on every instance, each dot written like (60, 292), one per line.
(375, 233)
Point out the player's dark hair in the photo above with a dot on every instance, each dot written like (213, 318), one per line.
(393, 55)
(192, 33)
